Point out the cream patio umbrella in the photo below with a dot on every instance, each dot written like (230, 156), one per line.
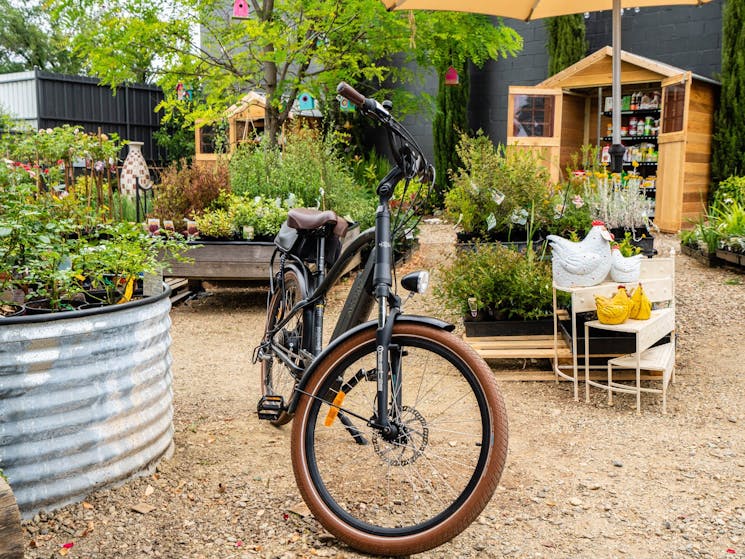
(528, 10)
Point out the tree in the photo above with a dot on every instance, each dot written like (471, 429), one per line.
(451, 119)
(281, 49)
(447, 39)
(566, 41)
(728, 149)
(28, 41)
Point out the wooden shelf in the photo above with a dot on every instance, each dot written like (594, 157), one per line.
(637, 112)
(629, 138)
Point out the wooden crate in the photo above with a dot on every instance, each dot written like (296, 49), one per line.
(495, 349)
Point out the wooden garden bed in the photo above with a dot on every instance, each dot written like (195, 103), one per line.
(233, 260)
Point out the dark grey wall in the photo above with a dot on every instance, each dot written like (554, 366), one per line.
(683, 36)
(488, 103)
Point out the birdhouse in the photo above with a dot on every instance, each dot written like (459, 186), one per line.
(344, 105)
(451, 76)
(305, 102)
(240, 9)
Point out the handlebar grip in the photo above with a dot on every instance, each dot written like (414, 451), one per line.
(348, 92)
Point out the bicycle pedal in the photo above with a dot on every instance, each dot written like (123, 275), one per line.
(270, 407)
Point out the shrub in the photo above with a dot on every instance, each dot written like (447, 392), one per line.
(494, 185)
(499, 281)
(309, 168)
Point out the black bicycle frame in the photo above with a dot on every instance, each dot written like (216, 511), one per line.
(371, 286)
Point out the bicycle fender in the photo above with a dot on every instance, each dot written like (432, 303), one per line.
(370, 325)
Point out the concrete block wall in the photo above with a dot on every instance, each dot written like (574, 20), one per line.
(683, 36)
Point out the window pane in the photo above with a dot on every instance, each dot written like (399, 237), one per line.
(534, 115)
(207, 140)
(674, 104)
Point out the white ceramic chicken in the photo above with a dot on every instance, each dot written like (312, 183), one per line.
(624, 269)
(583, 263)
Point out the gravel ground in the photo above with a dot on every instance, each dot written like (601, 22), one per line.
(581, 481)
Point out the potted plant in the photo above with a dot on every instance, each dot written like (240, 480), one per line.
(495, 189)
(498, 290)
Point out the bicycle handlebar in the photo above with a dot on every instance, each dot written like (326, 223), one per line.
(370, 107)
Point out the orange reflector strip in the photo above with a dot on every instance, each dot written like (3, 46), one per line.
(334, 409)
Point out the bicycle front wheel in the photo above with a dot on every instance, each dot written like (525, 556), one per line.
(420, 488)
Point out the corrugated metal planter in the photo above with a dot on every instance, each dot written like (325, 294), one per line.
(85, 399)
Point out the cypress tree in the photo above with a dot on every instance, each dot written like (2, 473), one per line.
(451, 119)
(566, 41)
(728, 149)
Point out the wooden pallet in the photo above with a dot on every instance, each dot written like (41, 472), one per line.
(496, 349)
(179, 289)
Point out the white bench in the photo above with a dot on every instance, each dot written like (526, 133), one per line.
(657, 276)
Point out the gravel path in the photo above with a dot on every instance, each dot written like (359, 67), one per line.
(582, 480)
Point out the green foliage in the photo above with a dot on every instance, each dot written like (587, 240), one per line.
(176, 134)
(501, 282)
(626, 247)
(118, 253)
(445, 39)
(308, 168)
(285, 47)
(56, 243)
(728, 146)
(566, 42)
(28, 40)
(185, 192)
(494, 181)
(731, 189)
(263, 216)
(451, 119)
(217, 224)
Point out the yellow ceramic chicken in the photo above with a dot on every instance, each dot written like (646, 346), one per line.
(613, 310)
(641, 307)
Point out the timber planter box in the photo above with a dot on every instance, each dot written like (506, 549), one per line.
(730, 257)
(706, 258)
(11, 536)
(234, 260)
(482, 328)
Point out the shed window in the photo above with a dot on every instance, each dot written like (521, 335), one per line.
(674, 104)
(533, 116)
(207, 139)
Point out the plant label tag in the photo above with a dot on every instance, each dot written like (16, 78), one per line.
(152, 284)
(498, 197)
(491, 222)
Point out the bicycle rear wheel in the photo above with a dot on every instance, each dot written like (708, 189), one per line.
(415, 491)
(277, 378)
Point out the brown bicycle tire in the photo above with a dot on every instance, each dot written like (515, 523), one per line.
(473, 504)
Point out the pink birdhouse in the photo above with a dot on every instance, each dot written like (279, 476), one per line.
(451, 76)
(240, 9)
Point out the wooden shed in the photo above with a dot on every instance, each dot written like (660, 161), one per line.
(245, 124)
(667, 126)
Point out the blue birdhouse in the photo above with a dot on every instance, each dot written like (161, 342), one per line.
(305, 102)
(344, 105)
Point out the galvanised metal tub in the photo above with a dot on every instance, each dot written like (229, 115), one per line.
(86, 399)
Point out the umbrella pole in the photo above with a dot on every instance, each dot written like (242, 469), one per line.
(616, 150)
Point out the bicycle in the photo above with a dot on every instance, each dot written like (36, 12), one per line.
(399, 435)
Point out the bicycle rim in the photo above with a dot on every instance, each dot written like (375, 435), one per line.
(421, 489)
(277, 379)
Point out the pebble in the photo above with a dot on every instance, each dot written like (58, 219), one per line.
(695, 512)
